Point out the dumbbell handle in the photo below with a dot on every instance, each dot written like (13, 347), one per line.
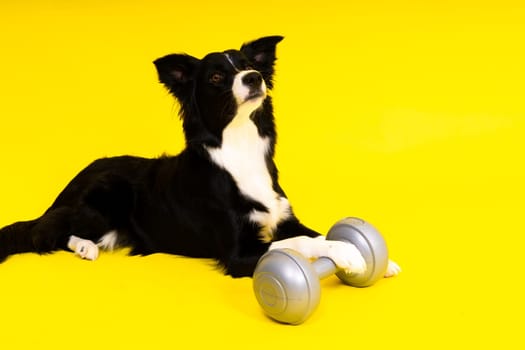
(324, 267)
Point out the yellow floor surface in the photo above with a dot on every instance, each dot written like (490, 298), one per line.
(410, 114)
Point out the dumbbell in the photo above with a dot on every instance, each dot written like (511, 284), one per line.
(287, 285)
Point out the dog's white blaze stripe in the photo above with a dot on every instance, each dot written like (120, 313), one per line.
(231, 62)
(242, 154)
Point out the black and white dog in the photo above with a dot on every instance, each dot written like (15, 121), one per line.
(219, 198)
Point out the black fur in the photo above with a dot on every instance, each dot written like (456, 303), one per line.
(185, 204)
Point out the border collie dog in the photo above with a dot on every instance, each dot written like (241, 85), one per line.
(219, 198)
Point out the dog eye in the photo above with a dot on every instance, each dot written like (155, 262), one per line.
(216, 78)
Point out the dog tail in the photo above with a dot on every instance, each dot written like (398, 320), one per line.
(16, 238)
(42, 235)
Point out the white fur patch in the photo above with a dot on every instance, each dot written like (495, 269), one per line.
(279, 211)
(242, 154)
(108, 241)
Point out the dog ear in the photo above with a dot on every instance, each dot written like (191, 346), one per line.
(176, 72)
(261, 53)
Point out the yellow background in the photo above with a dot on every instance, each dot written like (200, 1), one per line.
(409, 114)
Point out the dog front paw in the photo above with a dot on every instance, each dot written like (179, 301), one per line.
(346, 256)
(392, 270)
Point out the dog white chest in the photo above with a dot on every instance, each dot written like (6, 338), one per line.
(242, 154)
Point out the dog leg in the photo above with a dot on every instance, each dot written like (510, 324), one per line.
(345, 255)
(84, 248)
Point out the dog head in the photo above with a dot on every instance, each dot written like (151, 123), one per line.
(216, 89)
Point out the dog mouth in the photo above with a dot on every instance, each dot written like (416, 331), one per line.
(254, 95)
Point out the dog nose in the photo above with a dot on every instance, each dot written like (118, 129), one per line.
(252, 80)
